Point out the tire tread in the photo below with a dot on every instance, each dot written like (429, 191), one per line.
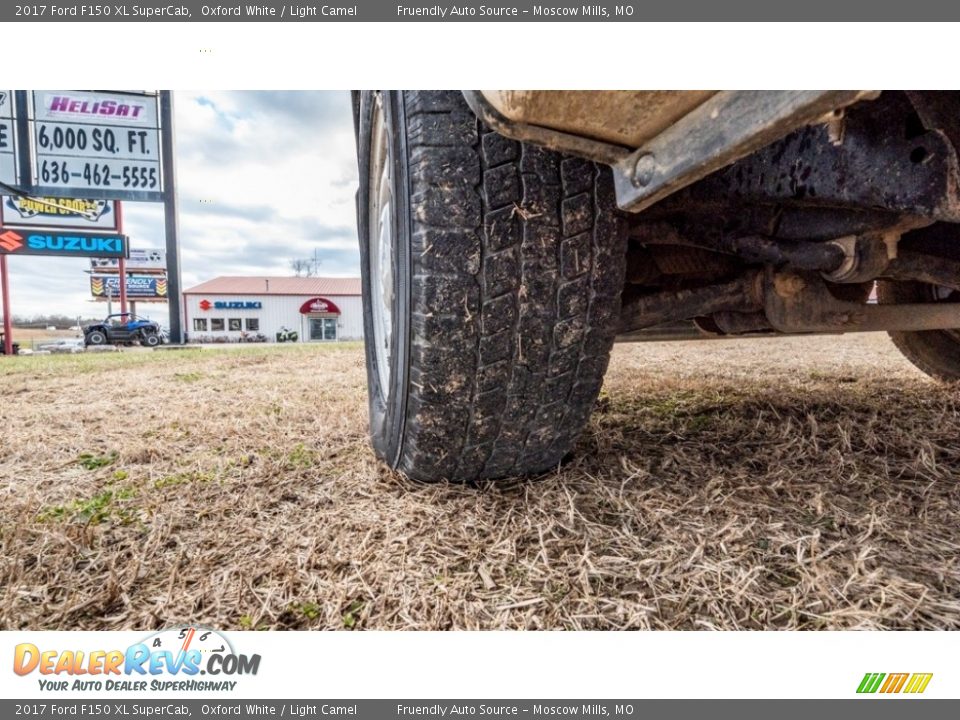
(532, 308)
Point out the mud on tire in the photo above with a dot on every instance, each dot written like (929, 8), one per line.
(508, 267)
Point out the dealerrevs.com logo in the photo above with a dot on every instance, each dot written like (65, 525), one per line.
(180, 659)
(894, 683)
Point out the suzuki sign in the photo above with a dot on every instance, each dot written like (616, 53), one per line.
(61, 244)
(231, 305)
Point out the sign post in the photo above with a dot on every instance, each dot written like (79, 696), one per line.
(171, 219)
(7, 319)
(123, 285)
(123, 265)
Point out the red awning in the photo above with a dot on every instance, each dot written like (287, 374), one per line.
(319, 305)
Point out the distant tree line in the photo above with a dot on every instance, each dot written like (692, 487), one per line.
(44, 321)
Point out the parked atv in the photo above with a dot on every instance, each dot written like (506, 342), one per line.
(285, 334)
(123, 329)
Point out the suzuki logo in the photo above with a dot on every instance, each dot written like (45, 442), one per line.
(205, 305)
(11, 241)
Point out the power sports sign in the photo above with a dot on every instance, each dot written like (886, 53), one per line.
(59, 213)
(96, 144)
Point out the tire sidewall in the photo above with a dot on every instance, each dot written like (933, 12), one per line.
(96, 338)
(935, 352)
(387, 406)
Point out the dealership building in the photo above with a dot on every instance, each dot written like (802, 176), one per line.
(319, 309)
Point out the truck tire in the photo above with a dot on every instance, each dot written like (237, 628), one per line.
(492, 273)
(935, 352)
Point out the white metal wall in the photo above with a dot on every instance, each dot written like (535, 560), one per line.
(277, 311)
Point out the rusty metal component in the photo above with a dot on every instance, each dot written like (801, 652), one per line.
(879, 165)
(802, 303)
(745, 294)
(924, 268)
(938, 109)
(641, 268)
(724, 128)
(848, 246)
(797, 254)
(691, 261)
(737, 323)
(865, 258)
(656, 141)
(815, 223)
(755, 249)
(661, 233)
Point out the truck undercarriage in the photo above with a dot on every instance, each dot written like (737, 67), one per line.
(789, 237)
(534, 227)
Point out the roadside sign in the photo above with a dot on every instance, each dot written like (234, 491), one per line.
(105, 144)
(59, 213)
(139, 287)
(142, 259)
(16, 241)
(97, 145)
(8, 153)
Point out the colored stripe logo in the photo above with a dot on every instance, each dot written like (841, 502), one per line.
(912, 683)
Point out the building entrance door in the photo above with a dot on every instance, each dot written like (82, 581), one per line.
(323, 328)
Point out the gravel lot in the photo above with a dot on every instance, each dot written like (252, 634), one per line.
(800, 483)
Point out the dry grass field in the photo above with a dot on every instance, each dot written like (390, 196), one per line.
(762, 484)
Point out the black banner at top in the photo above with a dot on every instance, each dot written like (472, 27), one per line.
(472, 11)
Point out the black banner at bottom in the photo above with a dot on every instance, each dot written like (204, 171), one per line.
(869, 708)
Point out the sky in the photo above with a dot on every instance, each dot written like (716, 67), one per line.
(264, 178)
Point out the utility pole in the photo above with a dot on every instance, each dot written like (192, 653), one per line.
(7, 317)
(171, 219)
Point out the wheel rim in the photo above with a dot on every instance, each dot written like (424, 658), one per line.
(381, 244)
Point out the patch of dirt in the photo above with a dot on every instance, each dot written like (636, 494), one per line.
(801, 483)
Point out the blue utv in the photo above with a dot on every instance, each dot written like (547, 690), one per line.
(123, 329)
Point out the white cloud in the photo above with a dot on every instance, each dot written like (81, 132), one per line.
(263, 177)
